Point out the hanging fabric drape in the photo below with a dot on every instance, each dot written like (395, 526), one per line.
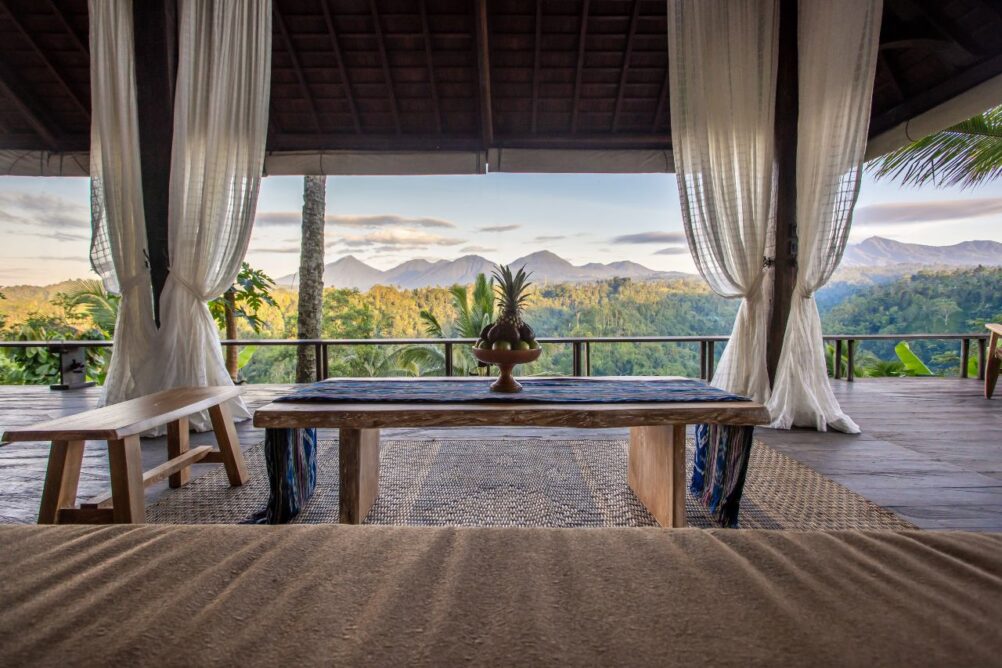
(722, 57)
(220, 125)
(118, 246)
(837, 45)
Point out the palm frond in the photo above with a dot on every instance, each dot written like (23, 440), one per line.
(966, 154)
(432, 327)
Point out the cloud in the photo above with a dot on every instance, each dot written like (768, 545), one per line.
(904, 213)
(477, 249)
(674, 250)
(651, 238)
(399, 239)
(499, 228)
(49, 212)
(277, 249)
(281, 218)
(551, 238)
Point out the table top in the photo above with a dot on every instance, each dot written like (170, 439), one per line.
(581, 415)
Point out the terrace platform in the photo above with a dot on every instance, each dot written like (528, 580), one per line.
(931, 448)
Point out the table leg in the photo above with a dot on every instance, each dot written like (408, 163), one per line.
(229, 445)
(128, 503)
(657, 471)
(177, 445)
(358, 452)
(62, 477)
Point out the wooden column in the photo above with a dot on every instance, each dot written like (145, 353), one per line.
(156, 72)
(787, 107)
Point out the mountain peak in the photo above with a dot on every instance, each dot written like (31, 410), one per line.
(881, 251)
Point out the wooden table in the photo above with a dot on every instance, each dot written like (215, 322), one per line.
(657, 437)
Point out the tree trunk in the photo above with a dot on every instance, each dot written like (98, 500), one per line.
(311, 275)
(231, 333)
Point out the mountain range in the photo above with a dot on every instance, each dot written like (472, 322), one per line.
(884, 256)
(546, 267)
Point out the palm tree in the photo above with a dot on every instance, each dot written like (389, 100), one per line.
(471, 318)
(966, 154)
(311, 275)
(89, 296)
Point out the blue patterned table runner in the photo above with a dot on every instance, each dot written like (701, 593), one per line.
(535, 390)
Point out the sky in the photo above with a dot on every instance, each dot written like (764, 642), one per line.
(382, 220)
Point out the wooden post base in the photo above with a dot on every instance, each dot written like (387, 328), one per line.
(993, 362)
(656, 471)
(358, 451)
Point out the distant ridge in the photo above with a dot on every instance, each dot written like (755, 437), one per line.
(546, 267)
(881, 252)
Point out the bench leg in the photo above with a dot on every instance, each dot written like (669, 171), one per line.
(992, 364)
(229, 445)
(62, 477)
(177, 445)
(657, 471)
(128, 503)
(358, 451)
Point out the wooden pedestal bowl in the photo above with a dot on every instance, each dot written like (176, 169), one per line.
(505, 360)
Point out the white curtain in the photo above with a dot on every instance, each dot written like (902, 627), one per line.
(837, 44)
(722, 57)
(118, 247)
(220, 124)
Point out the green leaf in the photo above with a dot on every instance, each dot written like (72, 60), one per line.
(245, 355)
(913, 365)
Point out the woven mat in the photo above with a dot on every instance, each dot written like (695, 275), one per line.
(526, 483)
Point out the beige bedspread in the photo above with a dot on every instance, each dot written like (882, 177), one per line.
(228, 595)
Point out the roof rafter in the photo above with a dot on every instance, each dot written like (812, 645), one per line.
(341, 67)
(26, 34)
(884, 61)
(484, 70)
(431, 65)
(582, 36)
(385, 60)
(535, 64)
(30, 108)
(631, 33)
(946, 26)
(662, 98)
(294, 57)
(80, 42)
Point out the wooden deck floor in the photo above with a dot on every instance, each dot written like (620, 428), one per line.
(931, 448)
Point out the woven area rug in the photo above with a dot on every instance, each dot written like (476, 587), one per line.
(526, 483)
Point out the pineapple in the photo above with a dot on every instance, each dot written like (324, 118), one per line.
(512, 294)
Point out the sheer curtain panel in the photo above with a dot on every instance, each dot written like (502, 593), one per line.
(118, 246)
(722, 57)
(837, 44)
(220, 124)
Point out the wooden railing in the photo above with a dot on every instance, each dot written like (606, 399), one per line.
(581, 348)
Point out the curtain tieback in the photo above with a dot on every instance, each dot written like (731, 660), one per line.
(133, 282)
(197, 294)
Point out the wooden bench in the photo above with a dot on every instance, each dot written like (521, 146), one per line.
(994, 358)
(121, 425)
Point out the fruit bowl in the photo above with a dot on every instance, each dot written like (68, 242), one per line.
(506, 360)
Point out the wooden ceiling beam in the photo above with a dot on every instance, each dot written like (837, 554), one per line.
(942, 23)
(631, 33)
(890, 69)
(385, 60)
(294, 58)
(537, 47)
(426, 30)
(341, 67)
(433, 142)
(582, 37)
(81, 104)
(30, 108)
(484, 75)
(80, 42)
(662, 99)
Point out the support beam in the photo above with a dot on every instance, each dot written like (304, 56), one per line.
(631, 33)
(296, 67)
(79, 40)
(579, 71)
(426, 30)
(341, 68)
(787, 108)
(155, 39)
(29, 107)
(662, 100)
(484, 70)
(385, 61)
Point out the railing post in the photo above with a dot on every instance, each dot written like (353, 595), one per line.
(448, 359)
(576, 358)
(982, 351)
(710, 360)
(318, 361)
(965, 356)
(587, 358)
(325, 367)
(702, 360)
(838, 359)
(850, 374)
